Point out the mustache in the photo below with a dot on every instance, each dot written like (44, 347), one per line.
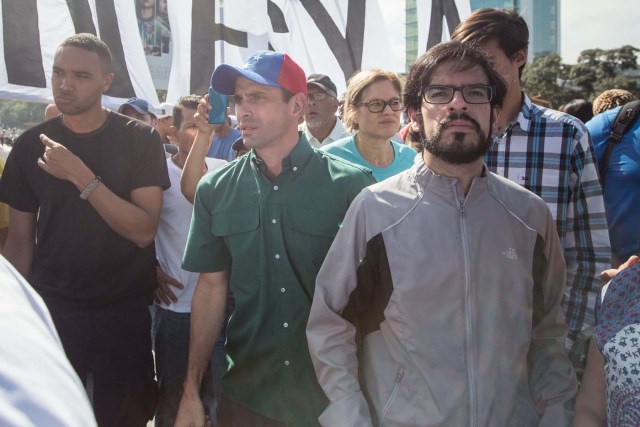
(459, 116)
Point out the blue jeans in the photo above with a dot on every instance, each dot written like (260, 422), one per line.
(171, 331)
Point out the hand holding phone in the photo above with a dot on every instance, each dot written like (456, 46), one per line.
(218, 111)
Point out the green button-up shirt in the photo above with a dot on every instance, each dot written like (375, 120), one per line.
(272, 237)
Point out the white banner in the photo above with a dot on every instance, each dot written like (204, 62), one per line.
(333, 37)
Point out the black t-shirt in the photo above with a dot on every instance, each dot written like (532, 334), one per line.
(78, 258)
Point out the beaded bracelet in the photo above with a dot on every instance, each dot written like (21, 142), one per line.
(84, 195)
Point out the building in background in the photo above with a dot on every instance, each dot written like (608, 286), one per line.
(411, 33)
(542, 17)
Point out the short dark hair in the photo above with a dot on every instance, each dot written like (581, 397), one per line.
(188, 101)
(580, 108)
(505, 26)
(464, 56)
(286, 95)
(93, 44)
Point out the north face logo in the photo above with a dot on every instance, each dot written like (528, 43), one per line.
(510, 253)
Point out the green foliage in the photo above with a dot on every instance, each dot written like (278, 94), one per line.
(598, 70)
(595, 71)
(20, 114)
(547, 77)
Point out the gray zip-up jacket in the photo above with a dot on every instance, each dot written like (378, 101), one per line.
(436, 309)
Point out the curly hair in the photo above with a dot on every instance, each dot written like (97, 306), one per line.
(611, 98)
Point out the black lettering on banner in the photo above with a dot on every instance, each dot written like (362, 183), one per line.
(347, 50)
(81, 16)
(440, 9)
(278, 23)
(22, 50)
(110, 34)
(203, 54)
(204, 33)
(231, 36)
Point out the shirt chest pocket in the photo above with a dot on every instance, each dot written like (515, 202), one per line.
(311, 231)
(239, 229)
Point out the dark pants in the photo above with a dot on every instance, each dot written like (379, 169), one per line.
(111, 347)
(232, 414)
(171, 331)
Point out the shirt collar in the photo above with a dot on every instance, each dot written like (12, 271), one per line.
(440, 184)
(298, 157)
(523, 119)
(526, 113)
(338, 132)
(307, 133)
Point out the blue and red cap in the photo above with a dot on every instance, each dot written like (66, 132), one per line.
(263, 67)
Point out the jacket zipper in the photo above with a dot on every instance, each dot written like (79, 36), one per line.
(392, 397)
(467, 303)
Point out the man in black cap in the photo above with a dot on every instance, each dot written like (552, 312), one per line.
(321, 125)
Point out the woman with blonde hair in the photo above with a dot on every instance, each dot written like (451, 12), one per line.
(372, 108)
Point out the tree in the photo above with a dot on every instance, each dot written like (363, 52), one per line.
(20, 114)
(598, 70)
(548, 78)
(595, 71)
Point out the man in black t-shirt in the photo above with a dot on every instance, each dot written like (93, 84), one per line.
(85, 191)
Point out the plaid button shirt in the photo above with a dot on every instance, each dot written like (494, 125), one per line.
(551, 154)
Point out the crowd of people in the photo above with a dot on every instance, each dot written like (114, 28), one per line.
(9, 135)
(318, 260)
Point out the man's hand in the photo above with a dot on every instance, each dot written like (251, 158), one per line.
(163, 293)
(62, 163)
(191, 412)
(611, 273)
(202, 116)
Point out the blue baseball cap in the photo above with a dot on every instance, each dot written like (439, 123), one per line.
(263, 67)
(140, 105)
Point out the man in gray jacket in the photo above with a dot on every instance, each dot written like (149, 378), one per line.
(438, 303)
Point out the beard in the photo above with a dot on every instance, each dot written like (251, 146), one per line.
(460, 151)
(314, 123)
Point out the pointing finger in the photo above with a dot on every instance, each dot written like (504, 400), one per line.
(46, 140)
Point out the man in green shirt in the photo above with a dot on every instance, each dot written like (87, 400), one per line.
(261, 227)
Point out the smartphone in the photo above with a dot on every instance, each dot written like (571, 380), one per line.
(218, 111)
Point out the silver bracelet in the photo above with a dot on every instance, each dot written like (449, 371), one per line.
(84, 195)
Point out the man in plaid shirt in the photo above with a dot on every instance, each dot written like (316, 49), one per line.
(551, 154)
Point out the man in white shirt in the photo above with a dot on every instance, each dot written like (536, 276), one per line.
(175, 285)
(321, 125)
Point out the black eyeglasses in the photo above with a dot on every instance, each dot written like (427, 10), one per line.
(473, 94)
(378, 105)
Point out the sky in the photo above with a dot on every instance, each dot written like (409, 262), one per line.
(585, 24)
(590, 24)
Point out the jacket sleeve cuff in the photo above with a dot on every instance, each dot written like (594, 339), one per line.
(350, 411)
